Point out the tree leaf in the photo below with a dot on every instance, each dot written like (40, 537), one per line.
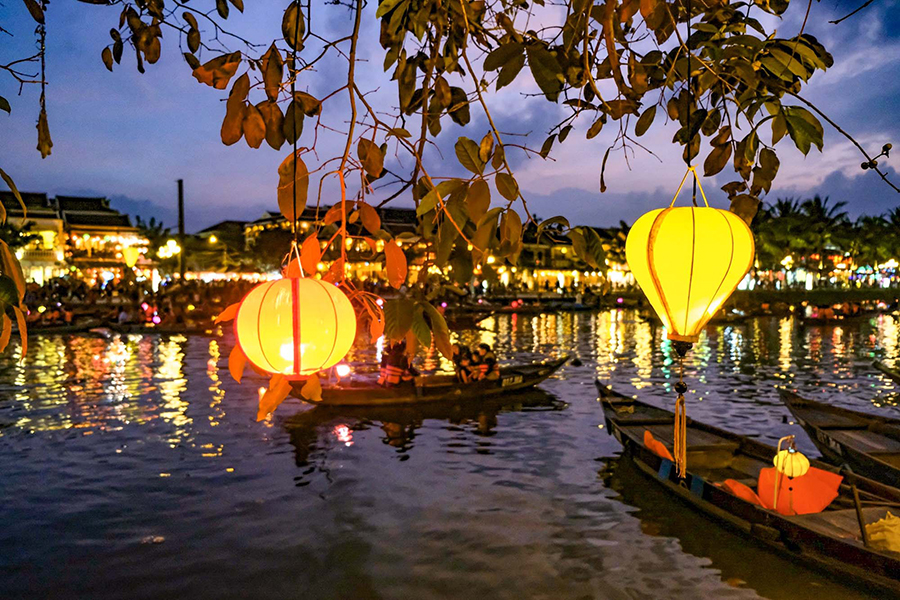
(501, 55)
(271, 114)
(745, 206)
(478, 199)
(222, 8)
(12, 268)
(45, 144)
(420, 327)
(107, 58)
(188, 18)
(507, 186)
(717, 160)
(547, 146)
(5, 331)
(237, 360)
(293, 27)
(312, 389)
(398, 317)
(272, 72)
(510, 226)
(310, 255)
(232, 123)
(37, 13)
(292, 174)
(193, 40)
(645, 121)
(395, 264)
(228, 314)
(370, 219)
(292, 126)
(467, 154)
(371, 157)
(218, 71)
(278, 390)
(546, 71)
(595, 128)
(311, 105)
(254, 126)
(15, 191)
(486, 147)
(439, 330)
(238, 4)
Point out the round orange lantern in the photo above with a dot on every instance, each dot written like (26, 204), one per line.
(295, 326)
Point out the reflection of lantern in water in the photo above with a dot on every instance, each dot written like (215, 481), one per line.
(295, 326)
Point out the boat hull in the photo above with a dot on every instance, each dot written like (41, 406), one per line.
(795, 537)
(438, 388)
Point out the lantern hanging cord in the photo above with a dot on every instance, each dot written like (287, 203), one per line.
(687, 43)
(680, 434)
(294, 215)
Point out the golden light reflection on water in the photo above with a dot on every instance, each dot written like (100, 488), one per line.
(785, 342)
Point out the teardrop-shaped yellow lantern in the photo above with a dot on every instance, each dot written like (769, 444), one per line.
(791, 463)
(688, 261)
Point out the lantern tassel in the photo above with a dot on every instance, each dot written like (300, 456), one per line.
(680, 437)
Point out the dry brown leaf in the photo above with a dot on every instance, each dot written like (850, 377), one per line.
(395, 264)
(310, 255)
(286, 184)
(236, 362)
(253, 126)
(228, 314)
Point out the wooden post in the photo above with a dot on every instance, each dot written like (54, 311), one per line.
(859, 516)
(181, 258)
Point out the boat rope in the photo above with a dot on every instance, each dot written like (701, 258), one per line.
(680, 435)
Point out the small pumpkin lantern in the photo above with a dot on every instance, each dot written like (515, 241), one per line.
(295, 326)
(789, 463)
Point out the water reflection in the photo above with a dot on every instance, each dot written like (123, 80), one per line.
(313, 431)
(107, 442)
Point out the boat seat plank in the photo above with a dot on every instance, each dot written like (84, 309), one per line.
(866, 441)
(891, 458)
(840, 523)
(695, 437)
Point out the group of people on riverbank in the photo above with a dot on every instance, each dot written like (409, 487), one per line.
(66, 301)
(469, 364)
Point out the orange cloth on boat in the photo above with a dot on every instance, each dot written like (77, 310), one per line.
(744, 492)
(656, 447)
(810, 493)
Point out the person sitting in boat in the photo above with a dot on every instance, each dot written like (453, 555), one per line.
(395, 366)
(462, 363)
(488, 367)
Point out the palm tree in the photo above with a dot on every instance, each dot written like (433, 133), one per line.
(822, 224)
(18, 236)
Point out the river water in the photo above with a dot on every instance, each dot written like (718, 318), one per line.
(133, 467)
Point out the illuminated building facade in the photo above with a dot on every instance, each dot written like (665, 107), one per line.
(43, 256)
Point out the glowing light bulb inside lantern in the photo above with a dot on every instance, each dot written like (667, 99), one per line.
(342, 370)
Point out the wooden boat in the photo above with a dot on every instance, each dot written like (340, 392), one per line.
(890, 372)
(869, 444)
(830, 540)
(62, 329)
(438, 388)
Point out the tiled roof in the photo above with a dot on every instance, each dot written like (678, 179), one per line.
(112, 219)
(83, 203)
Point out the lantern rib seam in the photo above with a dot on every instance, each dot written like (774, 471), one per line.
(687, 306)
(297, 327)
(654, 229)
(730, 261)
(262, 348)
(335, 336)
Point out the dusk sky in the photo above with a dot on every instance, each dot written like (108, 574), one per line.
(130, 136)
